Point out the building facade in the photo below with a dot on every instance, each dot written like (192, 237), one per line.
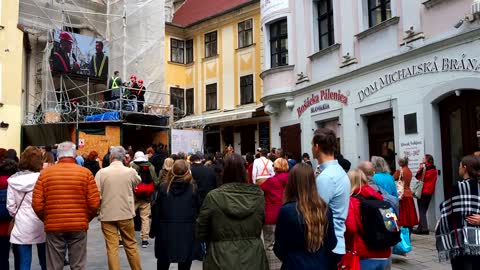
(392, 78)
(11, 62)
(213, 53)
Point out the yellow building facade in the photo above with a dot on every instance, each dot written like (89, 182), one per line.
(11, 63)
(219, 90)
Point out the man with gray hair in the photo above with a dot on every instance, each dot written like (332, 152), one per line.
(66, 199)
(116, 184)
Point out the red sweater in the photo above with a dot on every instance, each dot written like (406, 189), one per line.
(430, 179)
(273, 189)
(4, 224)
(250, 172)
(354, 227)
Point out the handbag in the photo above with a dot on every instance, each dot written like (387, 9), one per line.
(404, 246)
(349, 261)
(417, 186)
(12, 222)
(400, 185)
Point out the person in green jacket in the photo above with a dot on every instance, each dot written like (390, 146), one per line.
(231, 221)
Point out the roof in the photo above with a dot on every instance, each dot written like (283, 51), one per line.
(194, 11)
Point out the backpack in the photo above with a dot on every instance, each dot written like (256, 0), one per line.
(4, 214)
(379, 222)
(145, 189)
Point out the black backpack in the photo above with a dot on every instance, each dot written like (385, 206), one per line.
(3, 205)
(144, 173)
(379, 222)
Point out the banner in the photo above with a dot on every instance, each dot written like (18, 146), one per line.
(79, 54)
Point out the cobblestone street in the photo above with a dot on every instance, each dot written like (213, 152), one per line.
(423, 256)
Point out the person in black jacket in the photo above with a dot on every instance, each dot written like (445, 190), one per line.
(174, 214)
(344, 163)
(158, 159)
(106, 159)
(204, 177)
(91, 162)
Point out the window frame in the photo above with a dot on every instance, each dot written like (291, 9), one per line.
(243, 87)
(330, 31)
(189, 50)
(383, 11)
(182, 91)
(210, 43)
(210, 108)
(246, 32)
(278, 37)
(189, 108)
(177, 49)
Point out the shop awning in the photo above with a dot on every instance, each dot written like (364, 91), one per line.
(204, 119)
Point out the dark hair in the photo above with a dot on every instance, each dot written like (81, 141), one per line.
(116, 72)
(249, 157)
(288, 154)
(174, 156)
(280, 150)
(99, 42)
(306, 155)
(210, 157)
(194, 158)
(181, 155)
(12, 155)
(48, 148)
(234, 169)
(31, 159)
(3, 153)
(264, 152)
(472, 165)
(92, 155)
(326, 139)
(429, 159)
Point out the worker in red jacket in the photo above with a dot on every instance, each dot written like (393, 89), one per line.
(428, 174)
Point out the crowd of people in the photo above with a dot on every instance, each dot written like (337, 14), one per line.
(263, 211)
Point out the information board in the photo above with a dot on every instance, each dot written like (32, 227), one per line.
(414, 149)
(187, 140)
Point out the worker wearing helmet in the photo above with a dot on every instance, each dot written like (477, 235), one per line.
(99, 62)
(140, 93)
(60, 57)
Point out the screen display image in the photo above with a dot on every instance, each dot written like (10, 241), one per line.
(79, 54)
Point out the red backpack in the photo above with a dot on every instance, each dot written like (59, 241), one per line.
(145, 189)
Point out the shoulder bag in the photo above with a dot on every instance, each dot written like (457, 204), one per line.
(400, 185)
(12, 222)
(417, 185)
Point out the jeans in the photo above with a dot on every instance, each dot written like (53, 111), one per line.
(4, 252)
(166, 265)
(373, 264)
(423, 204)
(23, 256)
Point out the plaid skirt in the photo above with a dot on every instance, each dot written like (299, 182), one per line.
(408, 213)
(268, 241)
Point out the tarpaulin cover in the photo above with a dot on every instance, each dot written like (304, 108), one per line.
(108, 116)
(45, 134)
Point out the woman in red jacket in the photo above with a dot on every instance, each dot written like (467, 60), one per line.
(428, 174)
(273, 189)
(369, 259)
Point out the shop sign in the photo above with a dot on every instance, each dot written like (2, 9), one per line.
(414, 150)
(437, 64)
(326, 94)
(268, 7)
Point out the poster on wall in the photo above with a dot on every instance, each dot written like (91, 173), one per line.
(414, 149)
(187, 140)
(79, 54)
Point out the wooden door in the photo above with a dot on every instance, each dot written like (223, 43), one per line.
(290, 137)
(381, 137)
(460, 127)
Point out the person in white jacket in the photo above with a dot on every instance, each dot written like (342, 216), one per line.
(262, 168)
(28, 229)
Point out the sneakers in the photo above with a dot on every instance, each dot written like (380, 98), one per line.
(120, 244)
(144, 244)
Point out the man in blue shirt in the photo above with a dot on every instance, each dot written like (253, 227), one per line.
(333, 186)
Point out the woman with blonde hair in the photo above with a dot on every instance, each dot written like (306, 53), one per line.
(304, 234)
(173, 218)
(167, 166)
(273, 189)
(354, 242)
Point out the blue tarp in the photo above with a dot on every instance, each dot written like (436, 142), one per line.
(108, 116)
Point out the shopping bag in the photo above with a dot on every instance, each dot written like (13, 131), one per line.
(404, 246)
(416, 186)
(349, 261)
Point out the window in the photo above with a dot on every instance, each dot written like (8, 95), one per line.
(325, 23)
(278, 43)
(379, 11)
(176, 50)
(177, 98)
(211, 96)
(189, 101)
(211, 44)
(246, 89)
(189, 51)
(245, 33)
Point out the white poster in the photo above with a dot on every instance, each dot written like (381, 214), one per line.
(187, 140)
(414, 149)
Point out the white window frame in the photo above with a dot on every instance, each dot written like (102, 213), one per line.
(253, 33)
(363, 13)
(315, 32)
(170, 49)
(205, 96)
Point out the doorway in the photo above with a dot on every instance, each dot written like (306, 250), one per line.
(460, 132)
(290, 137)
(247, 138)
(381, 137)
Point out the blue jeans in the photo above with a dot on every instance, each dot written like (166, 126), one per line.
(23, 256)
(369, 264)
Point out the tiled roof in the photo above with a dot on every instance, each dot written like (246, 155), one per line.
(193, 11)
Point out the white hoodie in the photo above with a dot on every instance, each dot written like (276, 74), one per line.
(28, 227)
